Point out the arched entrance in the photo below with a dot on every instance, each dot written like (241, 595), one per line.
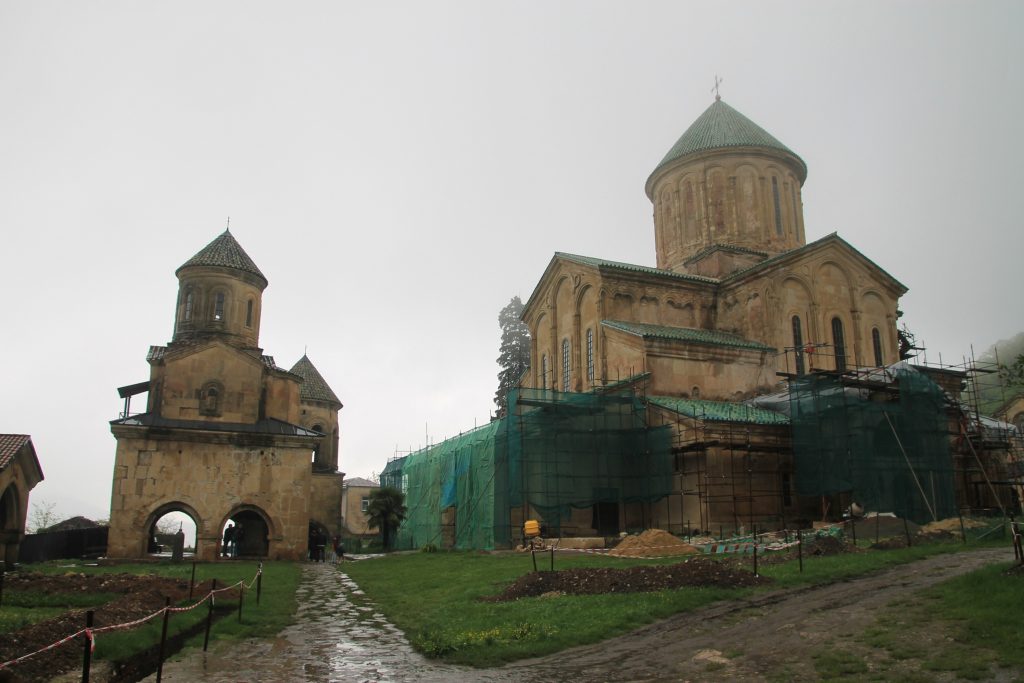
(252, 531)
(11, 525)
(163, 524)
(319, 538)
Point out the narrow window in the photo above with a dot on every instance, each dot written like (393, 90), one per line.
(796, 214)
(590, 355)
(876, 343)
(840, 344)
(364, 504)
(787, 489)
(778, 207)
(544, 371)
(189, 305)
(218, 306)
(565, 365)
(248, 313)
(798, 344)
(695, 392)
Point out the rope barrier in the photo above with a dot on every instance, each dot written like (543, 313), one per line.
(91, 633)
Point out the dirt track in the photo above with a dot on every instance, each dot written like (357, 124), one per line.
(770, 636)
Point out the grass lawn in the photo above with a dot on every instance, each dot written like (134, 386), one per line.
(973, 619)
(434, 599)
(275, 612)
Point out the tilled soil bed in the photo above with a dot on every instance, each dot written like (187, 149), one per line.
(699, 571)
(140, 596)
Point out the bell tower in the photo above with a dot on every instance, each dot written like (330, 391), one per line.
(220, 294)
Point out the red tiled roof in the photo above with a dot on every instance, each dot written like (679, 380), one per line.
(10, 444)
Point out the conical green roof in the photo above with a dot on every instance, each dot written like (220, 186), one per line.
(225, 251)
(314, 387)
(722, 127)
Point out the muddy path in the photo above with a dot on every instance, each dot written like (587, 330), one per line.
(770, 636)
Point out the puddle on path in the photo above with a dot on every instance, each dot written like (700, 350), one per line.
(333, 639)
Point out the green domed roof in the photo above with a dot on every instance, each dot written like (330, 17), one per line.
(722, 127)
(314, 387)
(225, 252)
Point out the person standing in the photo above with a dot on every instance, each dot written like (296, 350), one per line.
(229, 540)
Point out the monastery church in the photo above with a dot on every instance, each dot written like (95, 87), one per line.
(227, 434)
(736, 283)
(644, 404)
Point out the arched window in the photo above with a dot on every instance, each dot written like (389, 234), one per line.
(695, 392)
(876, 344)
(778, 206)
(210, 398)
(566, 357)
(190, 302)
(248, 313)
(590, 355)
(218, 306)
(839, 343)
(798, 344)
(544, 371)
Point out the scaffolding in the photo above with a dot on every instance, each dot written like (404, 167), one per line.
(733, 467)
(575, 461)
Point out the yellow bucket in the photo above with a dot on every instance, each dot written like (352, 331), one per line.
(531, 528)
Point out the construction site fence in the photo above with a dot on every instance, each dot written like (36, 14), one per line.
(89, 633)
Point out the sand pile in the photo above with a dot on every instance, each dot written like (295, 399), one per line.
(951, 525)
(652, 543)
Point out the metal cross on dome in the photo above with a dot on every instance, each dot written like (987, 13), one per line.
(718, 82)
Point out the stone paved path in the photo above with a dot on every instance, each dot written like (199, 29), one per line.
(333, 639)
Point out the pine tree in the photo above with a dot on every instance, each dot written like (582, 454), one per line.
(514, 354)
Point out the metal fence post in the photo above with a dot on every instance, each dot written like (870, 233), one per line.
(87, 657)
(209, 615)
(163, 641)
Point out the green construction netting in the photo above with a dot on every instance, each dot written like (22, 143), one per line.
(885, 443)
(555, 451)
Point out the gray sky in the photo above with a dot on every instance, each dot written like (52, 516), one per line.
(400, 170)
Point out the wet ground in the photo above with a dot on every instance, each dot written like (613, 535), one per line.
(333, 639)
(764, 637)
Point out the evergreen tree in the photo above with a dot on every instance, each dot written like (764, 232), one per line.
(514, 354)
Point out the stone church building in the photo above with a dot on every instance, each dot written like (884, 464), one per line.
(227, 435)
(749, 379)
(736, 283)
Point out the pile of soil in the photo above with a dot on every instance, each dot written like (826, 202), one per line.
(139, 597)
(652, 543)
(699, 571)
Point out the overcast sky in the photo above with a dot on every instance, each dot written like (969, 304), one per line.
(398, 171)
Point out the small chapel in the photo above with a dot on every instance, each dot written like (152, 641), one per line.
(227, 436)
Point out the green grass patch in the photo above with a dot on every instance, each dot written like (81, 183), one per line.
(22, 608)
(838, 664)
(274, 613)
(985, 607)
(435, 599)
(961, 626)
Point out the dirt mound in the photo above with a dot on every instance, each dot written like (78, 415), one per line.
(139, 597)
(699, 571)
(652, 543)
(827, 545)
(951, 525)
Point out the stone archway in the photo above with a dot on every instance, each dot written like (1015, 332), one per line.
(146, 542)
(256, 530)
(11, 525)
